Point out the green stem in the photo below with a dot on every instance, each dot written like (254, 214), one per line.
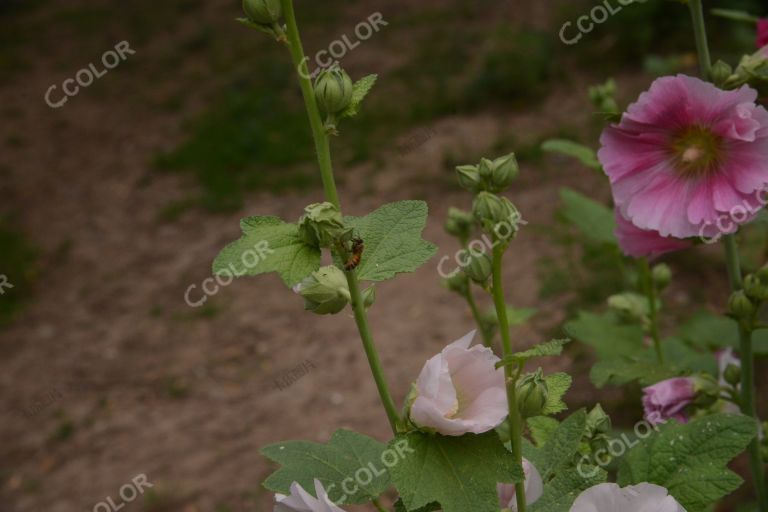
(322, 146)
(700, 33)
(746, 352)
(515, 427)
(378, 505)
(650, 291)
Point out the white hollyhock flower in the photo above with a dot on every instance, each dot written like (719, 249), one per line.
(460, 391)
(301, 501)
(635, 498)
(534, 488)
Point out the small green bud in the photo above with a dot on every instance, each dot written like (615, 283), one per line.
(598, 422)
(485, 169)
(532, 394)
(496, 215)
(721, 72)
(469, 178)
(458, 283)
(603, 97)
(732, 374)
(459, 223)
(369, 296)
(479, 268)
(707, 390)
(325, 291)
(505, 170)
(740, 306)
(662, 275)
(762, 274)
(754, 288)
(601, 443)
(333, 90)
(630, 305)
(321, 225)
(263, 12)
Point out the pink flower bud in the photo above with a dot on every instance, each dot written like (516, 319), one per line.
(534, 488)
(460, 391)
(668, 399)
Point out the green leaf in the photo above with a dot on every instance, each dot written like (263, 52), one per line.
(268, 245)
(359, 91)
(606, 334)
(542, 428)
(392, 238)
(714, 331)
(622, 370)
(596, 221)
(565, 487)
(332, 464)
(691, 460)
(584, 154)
(546, 349)
(558, 385)
(432, 507)
(460, 473)
(560, 449)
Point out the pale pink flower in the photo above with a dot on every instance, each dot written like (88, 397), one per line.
(639, 243)
(301, 501)
(634, 498)
(762, 33)
(534, 488)
(668, 399)
(688, 159)
(460, 390)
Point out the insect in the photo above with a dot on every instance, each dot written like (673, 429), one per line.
(357, 252)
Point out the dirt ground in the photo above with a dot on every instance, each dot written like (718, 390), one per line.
(109, 374)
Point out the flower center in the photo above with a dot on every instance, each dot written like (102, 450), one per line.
(696, 152)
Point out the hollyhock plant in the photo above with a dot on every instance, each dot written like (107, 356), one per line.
(460, 390)
(635, 498)
(639, 243)
(687, 155)
(534, 488)
(301, 501)
(668, 399)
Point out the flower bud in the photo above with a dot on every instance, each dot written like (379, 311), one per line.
(707, 390)
(532, 394)
(505, 170)
(721, 72)
(740, 306)
(732, 374)
(459, 283)
(756, 288)
(603, 97)
(485, 169)
(598, 422)
(369, 296)
(263, 12)
(496, 215)
(333, 90)
(459, 223)
(321, 225)
(325, 291)
(630, 305)
(469, 178)
(479, 268)
(601, 443)
(662, 275)
(762, 274)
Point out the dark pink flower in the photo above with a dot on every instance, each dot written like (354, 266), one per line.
(668, 399)
(762, 33)
(640, 243)
(687, 157)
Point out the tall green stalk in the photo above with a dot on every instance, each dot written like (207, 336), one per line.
(650, 292)
(323, 148)
(510, 377)
(735, 280)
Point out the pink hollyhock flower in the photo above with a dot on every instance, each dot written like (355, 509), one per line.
(688, 159)
(762, 33)
(534, 488)
(634, 498)
(301, 501)
(460, 390)
(668, 399)
(639, 243)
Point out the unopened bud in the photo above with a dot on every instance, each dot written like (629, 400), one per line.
(333, 90)
(598, 422)
(479, 268)
(321, 225)
(459, 283)
(369, 296)
(459, 223)
(740, 306)
(532, 394)
(732, 374)
(662, 275)
(707, 390)
(496, 215)
(630, 305)
(505, 170)
(325, 291)
(263, 12)
(721, 72)
(469, 178)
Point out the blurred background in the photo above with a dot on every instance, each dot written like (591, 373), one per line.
(115, 202)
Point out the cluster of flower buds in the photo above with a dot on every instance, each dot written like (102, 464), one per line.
(752, 71)
(325, 291)
(322, 225)
(489, 175)
(598, 429)
(603, 97)
(496, 215)
(532, 394)
(333, 92)
(743, 304)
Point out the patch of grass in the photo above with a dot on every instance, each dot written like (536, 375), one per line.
(17, 269)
